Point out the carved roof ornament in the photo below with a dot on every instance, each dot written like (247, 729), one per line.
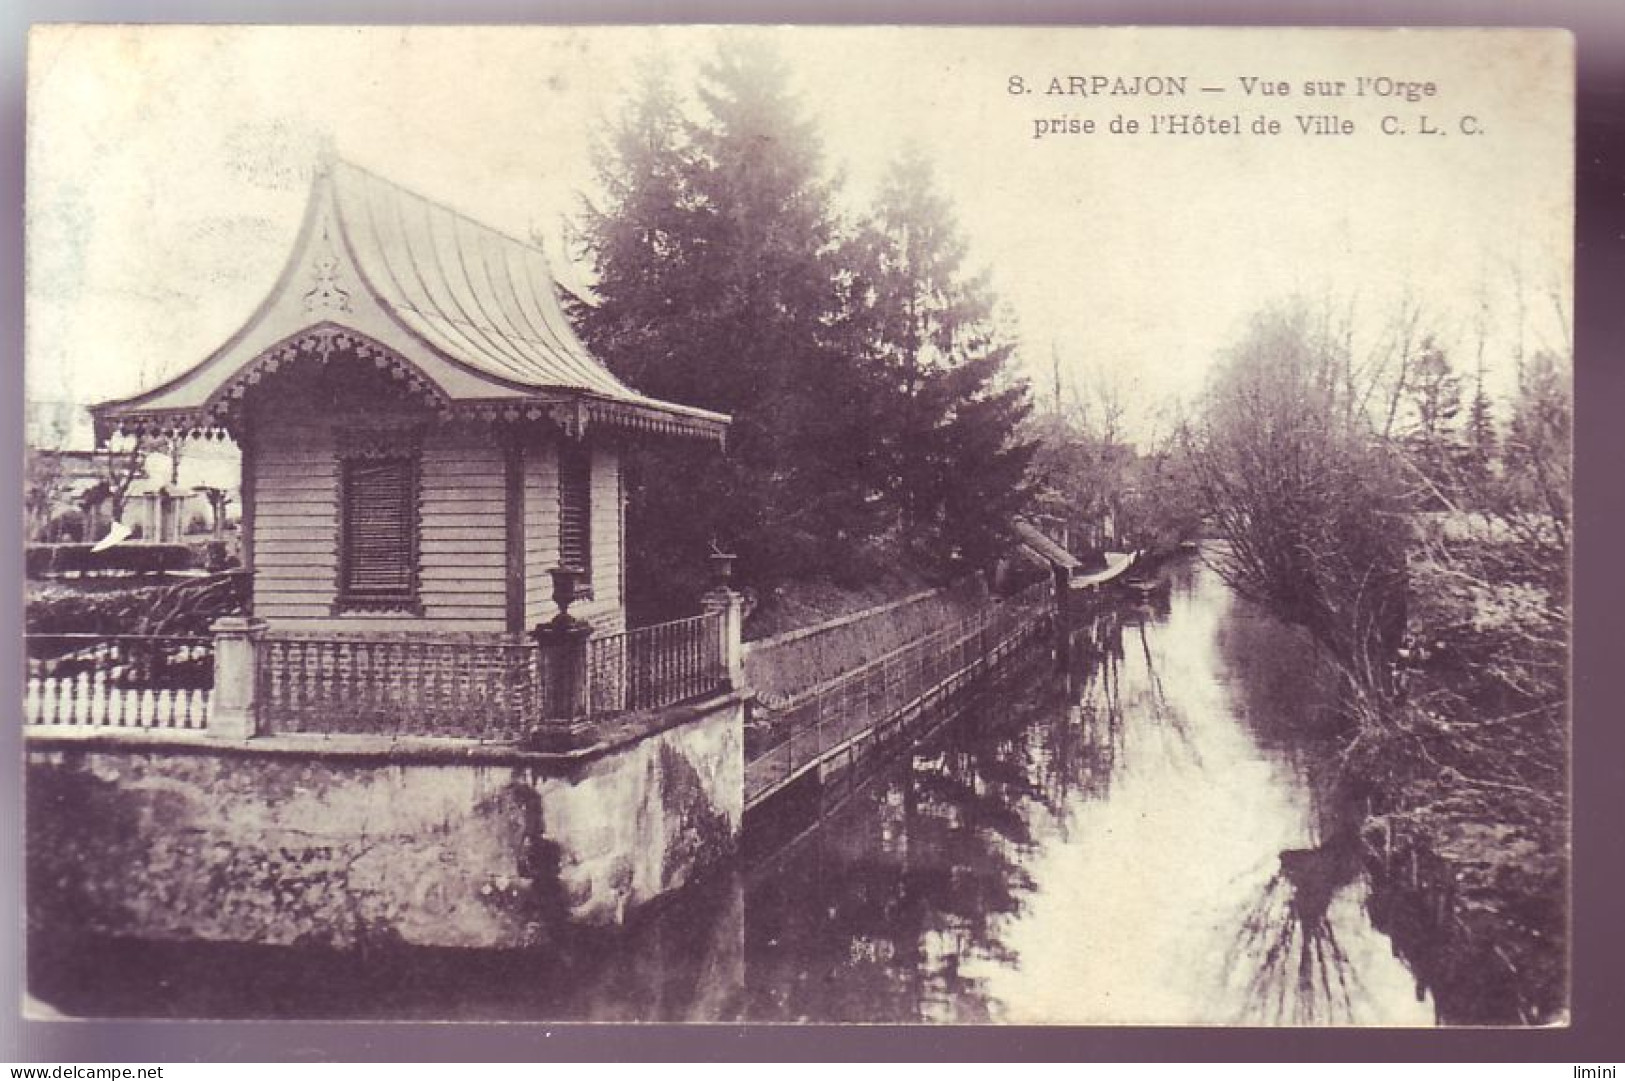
(327, 294)
(319, 345)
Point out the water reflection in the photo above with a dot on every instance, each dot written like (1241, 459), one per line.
(1157, 834)
(1287, 947)
(888, 911)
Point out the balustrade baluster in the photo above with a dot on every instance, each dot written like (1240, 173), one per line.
(282, 676)
(342, 685)
(691, 661)
(456, 679)
(333, 684)
(620, 655)
(293, 666)
(668, 689)
(672, 674)
(265, 683)
(642, 653)
(656, 660)
(680, 641)
(307, 682)
(659, 666)
(126, 698)
(673, 648)
(364, 693)
(317, 685)
(464, 686)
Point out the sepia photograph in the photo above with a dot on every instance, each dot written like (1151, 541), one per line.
(798, 525)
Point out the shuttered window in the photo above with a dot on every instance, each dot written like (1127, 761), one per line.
(378, 566)
(575, 509)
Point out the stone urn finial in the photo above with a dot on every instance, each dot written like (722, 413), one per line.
(566, 588)
(722, 567)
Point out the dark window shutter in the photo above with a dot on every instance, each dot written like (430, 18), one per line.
(380, 529)
(575, 508)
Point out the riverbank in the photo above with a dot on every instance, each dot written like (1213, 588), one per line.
(1467, 831)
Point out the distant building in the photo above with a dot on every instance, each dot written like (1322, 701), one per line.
(67, 482)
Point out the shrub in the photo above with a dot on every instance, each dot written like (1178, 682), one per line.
(43, 560)
(186, 607)
(212, 555)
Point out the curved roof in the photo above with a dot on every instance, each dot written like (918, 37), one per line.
(475, 312)
(1034, 540)
(474, 293)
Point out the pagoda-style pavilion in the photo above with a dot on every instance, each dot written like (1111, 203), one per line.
(424, 437)
(454, 742)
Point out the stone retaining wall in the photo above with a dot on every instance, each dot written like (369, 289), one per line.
(321, 841)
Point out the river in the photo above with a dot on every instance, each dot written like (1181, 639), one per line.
(1154, 835)
(1150, 832)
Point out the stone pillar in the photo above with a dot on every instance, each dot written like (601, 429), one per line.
(234, 706)
(562, 668)
(724, 600)
(562, 654)
(731, 606)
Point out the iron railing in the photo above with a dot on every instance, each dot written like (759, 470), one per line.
(1034, 594)
(118, 680)
(809, 656)
(655, 666)
(788, 736)
(472, 686)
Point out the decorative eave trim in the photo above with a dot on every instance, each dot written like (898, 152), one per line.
(319, 343)
(220, 414)
(573, 415)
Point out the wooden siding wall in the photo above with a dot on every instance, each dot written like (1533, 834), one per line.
(462, 545)
(541, 531)
(606, 611)
(462, 582)
(295, 484)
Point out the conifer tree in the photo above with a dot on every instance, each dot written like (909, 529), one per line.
(956, 468)
(717, 286)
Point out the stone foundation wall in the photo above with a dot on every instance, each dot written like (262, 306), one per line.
(285, 841)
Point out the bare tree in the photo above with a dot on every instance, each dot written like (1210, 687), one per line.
(43, 475)
(120, 463)
(43, 482)
(1306, 492)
